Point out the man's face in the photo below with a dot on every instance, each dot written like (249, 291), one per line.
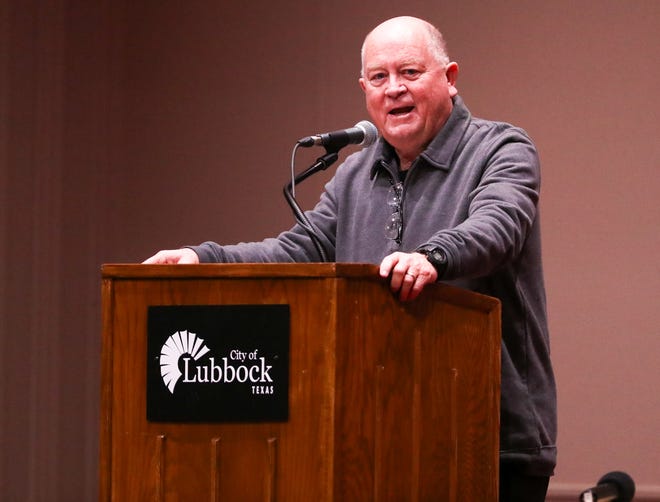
(408, 91)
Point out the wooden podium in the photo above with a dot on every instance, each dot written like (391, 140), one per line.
(387, 401)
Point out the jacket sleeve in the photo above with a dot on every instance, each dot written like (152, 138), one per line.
(501, 207)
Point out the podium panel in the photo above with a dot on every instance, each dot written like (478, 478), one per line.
(386, 401)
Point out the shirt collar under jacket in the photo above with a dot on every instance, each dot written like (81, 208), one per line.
(441, 149)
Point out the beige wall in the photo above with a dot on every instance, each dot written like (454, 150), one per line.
(130, 126)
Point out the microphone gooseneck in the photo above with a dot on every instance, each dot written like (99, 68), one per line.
(363, 133)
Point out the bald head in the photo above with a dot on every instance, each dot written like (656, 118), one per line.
(434, 39)
(408, 82)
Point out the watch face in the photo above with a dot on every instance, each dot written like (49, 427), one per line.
(437, 256)
(438, 259)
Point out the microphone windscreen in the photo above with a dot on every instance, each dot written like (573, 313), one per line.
(623, 481)
(370, 132)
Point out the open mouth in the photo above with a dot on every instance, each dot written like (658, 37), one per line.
(401, 110)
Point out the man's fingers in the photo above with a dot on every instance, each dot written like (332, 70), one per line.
(173, 257)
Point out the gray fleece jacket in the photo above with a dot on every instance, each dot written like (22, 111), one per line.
(474, 193)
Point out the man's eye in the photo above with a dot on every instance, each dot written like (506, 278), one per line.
(411, 72)
(377, 78)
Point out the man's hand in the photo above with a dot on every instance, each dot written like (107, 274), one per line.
(409, 273)
(173, 257)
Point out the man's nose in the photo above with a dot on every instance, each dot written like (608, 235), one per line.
(395, 87)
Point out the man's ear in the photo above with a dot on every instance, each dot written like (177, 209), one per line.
(451, 72)
(363, 83)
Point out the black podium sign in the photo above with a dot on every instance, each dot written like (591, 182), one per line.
(218, 363)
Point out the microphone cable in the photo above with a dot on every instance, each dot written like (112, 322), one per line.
(321, 164)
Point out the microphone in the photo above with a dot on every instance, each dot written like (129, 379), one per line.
(363, 133)
(615, 486)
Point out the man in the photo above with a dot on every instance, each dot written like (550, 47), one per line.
(441, 196)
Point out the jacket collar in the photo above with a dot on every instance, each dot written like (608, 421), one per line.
(440, 150)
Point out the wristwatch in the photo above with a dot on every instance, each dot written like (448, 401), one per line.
(436, 257)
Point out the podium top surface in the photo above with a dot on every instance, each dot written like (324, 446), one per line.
(216, 270)
(364, 272)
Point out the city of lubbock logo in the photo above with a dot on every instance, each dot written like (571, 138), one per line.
(180, 343)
